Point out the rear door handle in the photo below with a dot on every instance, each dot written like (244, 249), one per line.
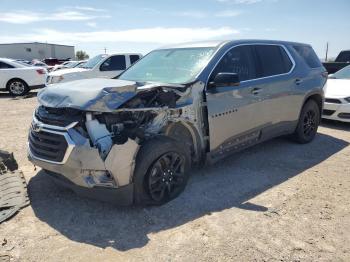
(256, 90)
(298, 81)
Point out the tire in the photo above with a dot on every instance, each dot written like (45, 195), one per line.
(161, 171)
(17, 87)
(309, 121)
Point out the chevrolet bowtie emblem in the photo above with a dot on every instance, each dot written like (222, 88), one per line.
(36, 127)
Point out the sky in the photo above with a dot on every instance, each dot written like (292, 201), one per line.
(141, 26)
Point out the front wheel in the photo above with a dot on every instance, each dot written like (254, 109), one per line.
(17, 87)
(161, 172)
(308, 123)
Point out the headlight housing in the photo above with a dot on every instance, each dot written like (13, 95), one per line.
(57, 79)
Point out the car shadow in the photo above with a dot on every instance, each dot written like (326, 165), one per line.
(343, 126)
(229, 183)
(7, 95)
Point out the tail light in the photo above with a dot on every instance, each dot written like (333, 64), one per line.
(41, 71)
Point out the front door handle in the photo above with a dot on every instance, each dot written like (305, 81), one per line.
(256, 90)
(298, 81)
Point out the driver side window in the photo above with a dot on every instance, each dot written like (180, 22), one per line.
(114, 63)
(239, 60)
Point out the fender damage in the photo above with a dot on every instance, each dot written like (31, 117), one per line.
(107, 121)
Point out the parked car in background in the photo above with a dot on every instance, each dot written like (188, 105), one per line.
(68, 64)
(18, 78)
(100, 66)
(54, 61)
(39, 63)
(337, 103)
(342, 60)
(24, 61)
(133, 139)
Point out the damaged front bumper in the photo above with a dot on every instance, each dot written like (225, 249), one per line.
(122, 196)
(68, 157)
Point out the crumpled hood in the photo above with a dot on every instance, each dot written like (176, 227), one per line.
(98, 94)
(338, 88)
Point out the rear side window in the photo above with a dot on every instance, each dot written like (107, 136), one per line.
(239, 60)
(114, 63)
(273, 60)
(309, 56)
(134, 58)
(5, 66)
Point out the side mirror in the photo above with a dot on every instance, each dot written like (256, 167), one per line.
(104, 67)
(225, 79)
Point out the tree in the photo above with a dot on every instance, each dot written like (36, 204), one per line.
(81, 55)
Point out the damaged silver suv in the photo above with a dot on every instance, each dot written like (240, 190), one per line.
(133, 139)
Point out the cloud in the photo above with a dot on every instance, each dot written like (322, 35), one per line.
(89, 8)
(200, 14)
(159, 35)
(193, 14)
(91, 24)
(228, 13)
(24, 17)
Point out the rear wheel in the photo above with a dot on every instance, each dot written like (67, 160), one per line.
(161, 172)
(17, 87)
(308, 123)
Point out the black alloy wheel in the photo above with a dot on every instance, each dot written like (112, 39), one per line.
(309, 123)
(166, 177)
(161, 171)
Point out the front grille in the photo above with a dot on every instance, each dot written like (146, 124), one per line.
(327, 112)
(58, 116)
(48, 146)
(333, 101)
(344, 115)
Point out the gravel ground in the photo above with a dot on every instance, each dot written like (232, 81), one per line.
(277, 201)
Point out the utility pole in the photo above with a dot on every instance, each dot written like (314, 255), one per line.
(105, 50)
(327, 52)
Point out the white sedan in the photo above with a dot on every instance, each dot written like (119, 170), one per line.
(18, 78)
(337, 102)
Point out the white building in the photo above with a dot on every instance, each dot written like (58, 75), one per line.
(34, 50)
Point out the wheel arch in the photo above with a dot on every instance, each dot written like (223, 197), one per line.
(318, 98)
(15, 78)
(185, 132)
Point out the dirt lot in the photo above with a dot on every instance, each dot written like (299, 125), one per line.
(278, 201)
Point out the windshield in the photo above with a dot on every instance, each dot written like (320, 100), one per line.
(94, 61)
(173, 66)
(72, 64)
(81, 65)
(343, 73)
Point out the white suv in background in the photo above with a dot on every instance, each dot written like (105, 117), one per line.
(100, 66)
(18, 78)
